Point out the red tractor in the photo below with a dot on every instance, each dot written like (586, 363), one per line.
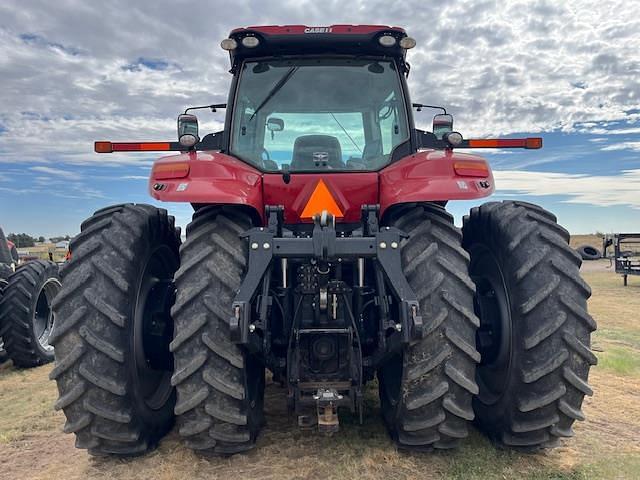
(321, 250)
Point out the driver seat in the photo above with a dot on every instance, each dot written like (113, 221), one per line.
(311, 152)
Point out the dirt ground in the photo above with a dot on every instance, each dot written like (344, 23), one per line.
(606, 445)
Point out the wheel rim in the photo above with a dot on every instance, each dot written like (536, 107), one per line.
(493, 337)
(153, 329)
(43, 315)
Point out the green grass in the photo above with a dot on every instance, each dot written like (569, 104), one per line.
(621, 360)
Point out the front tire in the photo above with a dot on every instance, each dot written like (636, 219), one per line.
(26, 319)
(220, 386)
(534, 334)
(426, 392)
(113, 365)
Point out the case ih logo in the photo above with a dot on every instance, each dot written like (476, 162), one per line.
(317, 30)
(320, 156)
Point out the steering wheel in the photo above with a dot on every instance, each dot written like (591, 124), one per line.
(265, 153)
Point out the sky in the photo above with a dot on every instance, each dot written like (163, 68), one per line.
(72, 72)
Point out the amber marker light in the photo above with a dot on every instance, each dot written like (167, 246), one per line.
(471, 169)
(531, 143)
(163, 171)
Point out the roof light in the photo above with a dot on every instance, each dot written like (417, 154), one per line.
(407, 43)
(453, 138)
(229, 44)
(188, 140)
(250, 42)
(387, 41)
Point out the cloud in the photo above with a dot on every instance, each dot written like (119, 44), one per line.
(123, 70)
(601, 190)
(57, 172)
(623, 146)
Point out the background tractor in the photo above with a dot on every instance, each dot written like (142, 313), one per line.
(321, 250)
(26, 317)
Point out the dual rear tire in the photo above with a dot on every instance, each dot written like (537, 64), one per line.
(134, 350)
(520, 314)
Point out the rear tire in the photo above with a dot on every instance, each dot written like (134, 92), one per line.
(5, 272)
(26, 319)
(534, 335)
(113, 365)
(426, 392)
(220, 387)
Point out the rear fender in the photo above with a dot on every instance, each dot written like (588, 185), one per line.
(435, 176)
(207, 178)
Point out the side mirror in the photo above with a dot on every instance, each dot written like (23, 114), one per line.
(188, 130)
(275, 125)
(442, 123)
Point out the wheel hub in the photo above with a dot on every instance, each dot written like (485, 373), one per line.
(493, 338)
(153, 330)
(43, 314)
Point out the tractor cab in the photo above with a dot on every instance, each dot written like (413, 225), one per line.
(311, 99)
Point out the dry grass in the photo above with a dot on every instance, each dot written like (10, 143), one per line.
(607, 445)
(591, 239)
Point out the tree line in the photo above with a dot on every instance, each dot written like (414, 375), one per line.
(25, 240)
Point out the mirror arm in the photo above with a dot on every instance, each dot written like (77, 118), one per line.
(213, 107)
(420, 106)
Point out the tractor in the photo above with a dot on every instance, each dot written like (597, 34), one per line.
(321, 251)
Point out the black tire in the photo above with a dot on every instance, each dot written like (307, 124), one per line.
(5, 273)
(587, 252)
(26, 318)
(113, 365)
(220, 387)
(534, 335)
(5, 253)
(426, 392)
(14, 254)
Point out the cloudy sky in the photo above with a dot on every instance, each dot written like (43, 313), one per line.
(73, 71)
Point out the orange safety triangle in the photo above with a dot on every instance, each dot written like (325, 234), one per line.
(321, 199)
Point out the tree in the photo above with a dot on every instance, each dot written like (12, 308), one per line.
(21, 239)
(59, 239)
(41, 239)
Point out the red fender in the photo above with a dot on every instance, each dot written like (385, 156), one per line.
(435, 175)
(206, 177)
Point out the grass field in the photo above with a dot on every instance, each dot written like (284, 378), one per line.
(606, 445)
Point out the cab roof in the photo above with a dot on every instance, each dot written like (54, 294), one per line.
(286, 40)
